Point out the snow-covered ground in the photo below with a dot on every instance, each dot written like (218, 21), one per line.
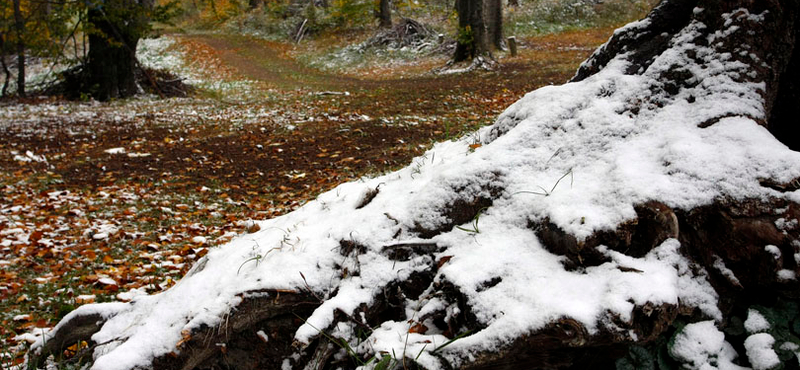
(38, 73)
(45, 117)
(574, 154)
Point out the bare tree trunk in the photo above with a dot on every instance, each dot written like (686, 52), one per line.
(110, 66)
(385, 13)
(472, 38)
(19, 25)
(5, 66)
(111, 60)
(493, 10)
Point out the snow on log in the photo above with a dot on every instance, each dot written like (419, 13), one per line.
(590, 217)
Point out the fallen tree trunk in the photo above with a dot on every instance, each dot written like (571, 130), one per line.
(600, 223)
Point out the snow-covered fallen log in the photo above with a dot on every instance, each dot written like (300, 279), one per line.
(589, 217)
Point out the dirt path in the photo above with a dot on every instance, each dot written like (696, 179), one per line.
(266, 61)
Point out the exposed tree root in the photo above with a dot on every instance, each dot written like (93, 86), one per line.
(255, 335)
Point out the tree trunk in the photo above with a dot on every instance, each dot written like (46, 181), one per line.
(494, 23)
(472, 39)
(774, 42)
(111, 63)
(7, 73)
(385, 13)
(538, 243)
(19, 25)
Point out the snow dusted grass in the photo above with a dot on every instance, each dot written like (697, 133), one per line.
(372, 61)
(39, 72)
(202, 71)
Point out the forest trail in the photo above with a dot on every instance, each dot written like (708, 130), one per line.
(266, 61)
(550, 59)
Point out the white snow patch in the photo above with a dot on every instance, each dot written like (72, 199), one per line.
(131, 294)
(702, 346)
(756, 322)
(85, 298)
(199, 240)
(774, 251)
(719, 264)
(786, 275)
(759, 351)
(107, 281)
(786, 225)
(115, 151)
(28, 157)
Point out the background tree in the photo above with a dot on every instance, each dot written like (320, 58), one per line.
(494, 23)
(116, 27)
(384, 13)
(472, 39)
(4, 65)
(37, 28)
(480, 28)
(19, 30)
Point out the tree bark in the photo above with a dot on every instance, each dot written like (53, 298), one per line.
(494, 23)
(472, 39)
(111, 63)
(7, 73)
(385, 13)
(19, 25)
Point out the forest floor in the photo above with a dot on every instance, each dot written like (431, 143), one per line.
(101, 202)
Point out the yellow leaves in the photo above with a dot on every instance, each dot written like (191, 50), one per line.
(75, 348)
(186, 335)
